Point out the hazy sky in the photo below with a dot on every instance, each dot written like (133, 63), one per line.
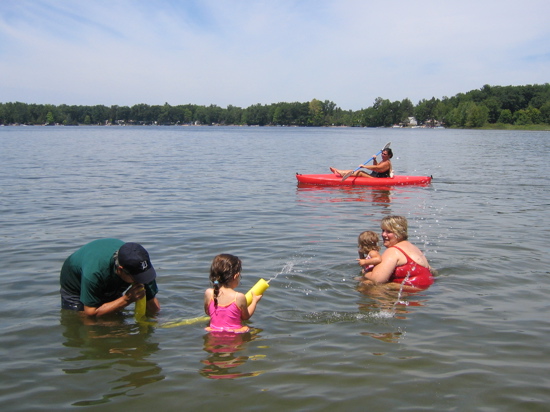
(243, 52)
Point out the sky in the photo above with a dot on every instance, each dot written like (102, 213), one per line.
(246, 52)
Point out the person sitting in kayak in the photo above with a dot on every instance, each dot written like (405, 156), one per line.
(382, 169)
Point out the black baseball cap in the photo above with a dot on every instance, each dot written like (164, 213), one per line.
(135, 260)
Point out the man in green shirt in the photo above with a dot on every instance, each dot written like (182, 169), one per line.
(105, 276)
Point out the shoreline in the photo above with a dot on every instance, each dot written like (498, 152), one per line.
(496, 126)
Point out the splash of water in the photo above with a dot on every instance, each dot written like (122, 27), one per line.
(399, 301)
(287, 268)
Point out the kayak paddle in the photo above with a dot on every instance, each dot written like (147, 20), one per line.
(348, 174)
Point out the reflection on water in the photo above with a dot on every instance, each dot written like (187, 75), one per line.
(222, 359)
(322, 194)
(388, 337)
(390, 297)
(389, 301)
(110, 344)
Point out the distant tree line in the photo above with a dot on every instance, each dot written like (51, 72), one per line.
(519, 105)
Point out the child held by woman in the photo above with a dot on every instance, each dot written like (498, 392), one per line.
(369, 251)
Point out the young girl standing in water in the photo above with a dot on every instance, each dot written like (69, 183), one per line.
(369, 251)
(226, 307)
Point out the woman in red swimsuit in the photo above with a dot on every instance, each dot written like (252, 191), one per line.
(402, 262)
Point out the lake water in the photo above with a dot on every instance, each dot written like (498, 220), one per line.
(475, 340)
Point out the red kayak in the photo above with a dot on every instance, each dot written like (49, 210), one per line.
(333, 180)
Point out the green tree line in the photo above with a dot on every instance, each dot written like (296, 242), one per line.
(518, 105)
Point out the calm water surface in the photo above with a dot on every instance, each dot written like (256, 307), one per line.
(476, 340)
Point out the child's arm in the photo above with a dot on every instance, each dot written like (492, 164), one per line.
(382, 272)
(207, 298)
(247, 310)
(375, 259)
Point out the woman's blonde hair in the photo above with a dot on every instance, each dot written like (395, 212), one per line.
(397, 225)
(368, 241)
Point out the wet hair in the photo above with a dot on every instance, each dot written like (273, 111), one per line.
(368, 241)
(397, 225)
(390, 153)
(223, 269)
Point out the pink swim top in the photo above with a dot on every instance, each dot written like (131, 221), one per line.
(225, 318)
(367, 268)
(418, 276)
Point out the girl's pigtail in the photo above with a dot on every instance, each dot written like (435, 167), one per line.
(216, 292)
